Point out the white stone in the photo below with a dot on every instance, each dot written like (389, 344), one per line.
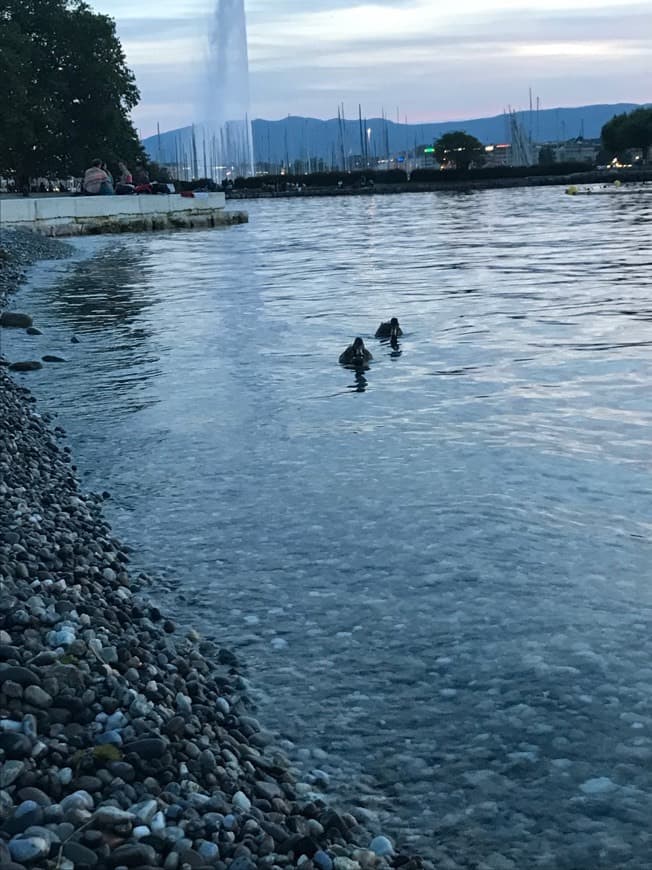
(223, 705)
(382, 846)
(241, 802)
(65, 775)
(110, 815)
(145, 811)
(77, 800)
(157, 823)
(598, 785)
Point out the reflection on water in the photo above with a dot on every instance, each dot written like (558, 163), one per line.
(445, 584)
(361, 382)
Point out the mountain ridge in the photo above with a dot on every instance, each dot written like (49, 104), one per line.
(299, 138)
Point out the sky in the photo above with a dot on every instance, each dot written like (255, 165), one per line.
(424, 60)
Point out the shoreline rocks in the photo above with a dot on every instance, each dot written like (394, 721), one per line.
(125, 742)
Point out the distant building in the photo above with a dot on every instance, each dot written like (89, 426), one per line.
(498, 155)
(578, 151)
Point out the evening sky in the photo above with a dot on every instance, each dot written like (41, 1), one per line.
(421, 59)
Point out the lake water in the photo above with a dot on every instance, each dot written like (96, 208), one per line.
(438, 572)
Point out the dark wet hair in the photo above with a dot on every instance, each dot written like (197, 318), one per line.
(96, 162)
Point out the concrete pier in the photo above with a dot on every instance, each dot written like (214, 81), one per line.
(94, 215)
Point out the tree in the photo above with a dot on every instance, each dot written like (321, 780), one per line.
(67, 91)
(629, 130)
(459, 149)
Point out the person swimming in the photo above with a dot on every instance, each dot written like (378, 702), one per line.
(356, 354)
(389, 329)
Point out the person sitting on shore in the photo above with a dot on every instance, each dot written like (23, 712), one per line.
(97, 181)
(126, 183)
(141, 179)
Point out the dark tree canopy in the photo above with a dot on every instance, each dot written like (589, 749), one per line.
(629, 130)
(66, 90)
(459, 149)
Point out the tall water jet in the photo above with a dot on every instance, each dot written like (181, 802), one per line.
(223, 146)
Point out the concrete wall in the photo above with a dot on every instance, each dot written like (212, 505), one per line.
(79, 215)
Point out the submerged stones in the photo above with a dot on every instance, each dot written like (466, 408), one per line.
(15, 320)
(25, 366)
(124, 742)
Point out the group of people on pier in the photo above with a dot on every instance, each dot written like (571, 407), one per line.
(98, 181)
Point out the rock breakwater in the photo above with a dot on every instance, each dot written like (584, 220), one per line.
(124, 741)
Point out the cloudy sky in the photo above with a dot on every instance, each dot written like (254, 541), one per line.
(429, 59)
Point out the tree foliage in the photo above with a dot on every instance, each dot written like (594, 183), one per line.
(459, 149)
(629, 130)
(66, 90)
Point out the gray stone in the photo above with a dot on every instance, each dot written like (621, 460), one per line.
(15, 320)
(209, 851)
(79, 854)
(28, 850)
(10, 771)
(38, 697)
(133, 855)
(322, 860)
(108, 816)
(15, 746)
(78, 800)
(109, 655)
(12, 690)
(241, 802)
(191, 858)
(381, 846)
(18, 674)
(113, 738)
(18, 824)
(268, 790)
(52, 358)
(39, 831)
(145, 811)
(34, 794)
(147, 747)
(241, 863)
(26, 366)
(91, 784)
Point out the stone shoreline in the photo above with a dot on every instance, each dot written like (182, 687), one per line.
(124, 741)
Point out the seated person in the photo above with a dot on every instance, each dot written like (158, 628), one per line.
(126, 183)
(97, 181)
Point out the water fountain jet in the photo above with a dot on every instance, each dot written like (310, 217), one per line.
(223, 145)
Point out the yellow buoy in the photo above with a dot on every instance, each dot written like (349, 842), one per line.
(572, 190)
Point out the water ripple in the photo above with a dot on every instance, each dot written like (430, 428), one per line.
(438, 568)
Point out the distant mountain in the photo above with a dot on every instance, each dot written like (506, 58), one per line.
(296, 138)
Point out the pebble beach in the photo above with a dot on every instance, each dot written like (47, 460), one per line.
(127, 740)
